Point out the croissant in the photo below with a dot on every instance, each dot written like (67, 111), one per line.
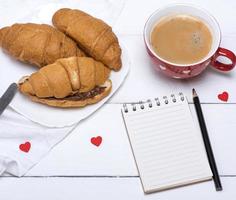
(69, 82)
(93, 35)
(38, 44)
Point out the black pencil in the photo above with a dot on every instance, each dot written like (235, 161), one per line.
(206, 140)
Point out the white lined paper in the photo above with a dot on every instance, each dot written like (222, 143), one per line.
(167, 147)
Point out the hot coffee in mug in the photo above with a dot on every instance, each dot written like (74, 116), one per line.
(181, 39)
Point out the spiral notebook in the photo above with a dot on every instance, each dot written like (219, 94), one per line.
(168, 147)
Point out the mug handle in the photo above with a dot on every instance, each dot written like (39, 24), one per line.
(222, 66)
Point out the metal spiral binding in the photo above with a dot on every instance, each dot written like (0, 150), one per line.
(134, 106)
(173, 98)
(157, 101)
(181, 96)
(141, 105)
(165, 99)
(125, 108)
(150, 103)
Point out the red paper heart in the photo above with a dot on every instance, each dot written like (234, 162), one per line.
(223, 96)
(25, 147)
(96, 140)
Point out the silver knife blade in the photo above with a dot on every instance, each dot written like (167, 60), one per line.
(7, 97)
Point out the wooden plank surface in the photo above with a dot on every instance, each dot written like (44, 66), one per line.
(106, 188)
(77, 156)
(135, 14)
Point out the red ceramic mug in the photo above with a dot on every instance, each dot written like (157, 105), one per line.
(183, 71)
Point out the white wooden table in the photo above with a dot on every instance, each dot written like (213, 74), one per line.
(75, 169)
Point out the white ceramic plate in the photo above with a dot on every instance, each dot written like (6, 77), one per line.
(12, 70)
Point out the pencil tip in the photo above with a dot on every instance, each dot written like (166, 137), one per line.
(194, 92)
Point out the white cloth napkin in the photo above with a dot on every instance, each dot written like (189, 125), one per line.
(16, 133)
(22, 142)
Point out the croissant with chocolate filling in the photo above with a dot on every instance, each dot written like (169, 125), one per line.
(69, 82)
(93, 35)
(38, 44)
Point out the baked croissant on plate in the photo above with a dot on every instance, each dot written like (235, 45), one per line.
(69, 82)
(38, 44)
(93, 35)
